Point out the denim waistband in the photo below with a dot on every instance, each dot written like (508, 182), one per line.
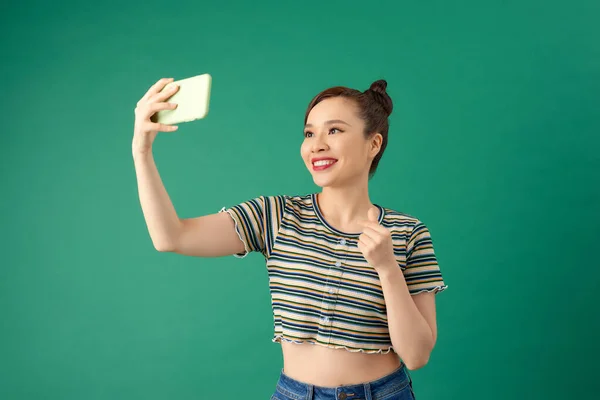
(391, 383)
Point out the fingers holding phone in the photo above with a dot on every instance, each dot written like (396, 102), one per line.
(168, 103)
(153, 102)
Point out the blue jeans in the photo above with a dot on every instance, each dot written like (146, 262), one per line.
(395, 386)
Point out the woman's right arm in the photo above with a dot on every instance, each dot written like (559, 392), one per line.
(211, 235)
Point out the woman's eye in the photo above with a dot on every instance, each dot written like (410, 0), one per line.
(309, 134)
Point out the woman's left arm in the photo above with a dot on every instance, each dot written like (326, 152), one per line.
(411, 318)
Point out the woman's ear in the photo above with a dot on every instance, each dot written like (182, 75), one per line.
(375, 144)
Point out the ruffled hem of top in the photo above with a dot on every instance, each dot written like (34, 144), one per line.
(435, 289)
(237, 230)
(279, 337)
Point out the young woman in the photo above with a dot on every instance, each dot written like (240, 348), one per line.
(352, 283)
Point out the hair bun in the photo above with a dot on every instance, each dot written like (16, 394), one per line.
(378, 88)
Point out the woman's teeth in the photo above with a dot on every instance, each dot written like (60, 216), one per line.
(323, 163)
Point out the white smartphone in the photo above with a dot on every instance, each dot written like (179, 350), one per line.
(192, 99)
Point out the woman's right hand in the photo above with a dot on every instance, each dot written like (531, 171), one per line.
(145, 130)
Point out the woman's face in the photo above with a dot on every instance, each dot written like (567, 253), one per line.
(335, 149)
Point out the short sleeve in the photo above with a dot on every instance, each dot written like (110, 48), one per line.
(257, 222)
(422, 271)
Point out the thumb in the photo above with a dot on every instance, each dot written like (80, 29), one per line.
(373, 214)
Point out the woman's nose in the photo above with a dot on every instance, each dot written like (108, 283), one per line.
(318, 144)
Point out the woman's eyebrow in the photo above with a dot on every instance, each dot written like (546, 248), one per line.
(331, 121)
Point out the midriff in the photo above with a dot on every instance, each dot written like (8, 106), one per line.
(323, 366)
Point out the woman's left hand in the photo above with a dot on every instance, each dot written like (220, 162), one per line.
(375, 243)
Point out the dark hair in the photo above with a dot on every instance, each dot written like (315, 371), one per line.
(375, 106)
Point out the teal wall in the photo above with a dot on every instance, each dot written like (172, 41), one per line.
(494, 144)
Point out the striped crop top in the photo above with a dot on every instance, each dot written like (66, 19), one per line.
(322, 289)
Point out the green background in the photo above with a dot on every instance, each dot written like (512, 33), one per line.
(493, 144)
